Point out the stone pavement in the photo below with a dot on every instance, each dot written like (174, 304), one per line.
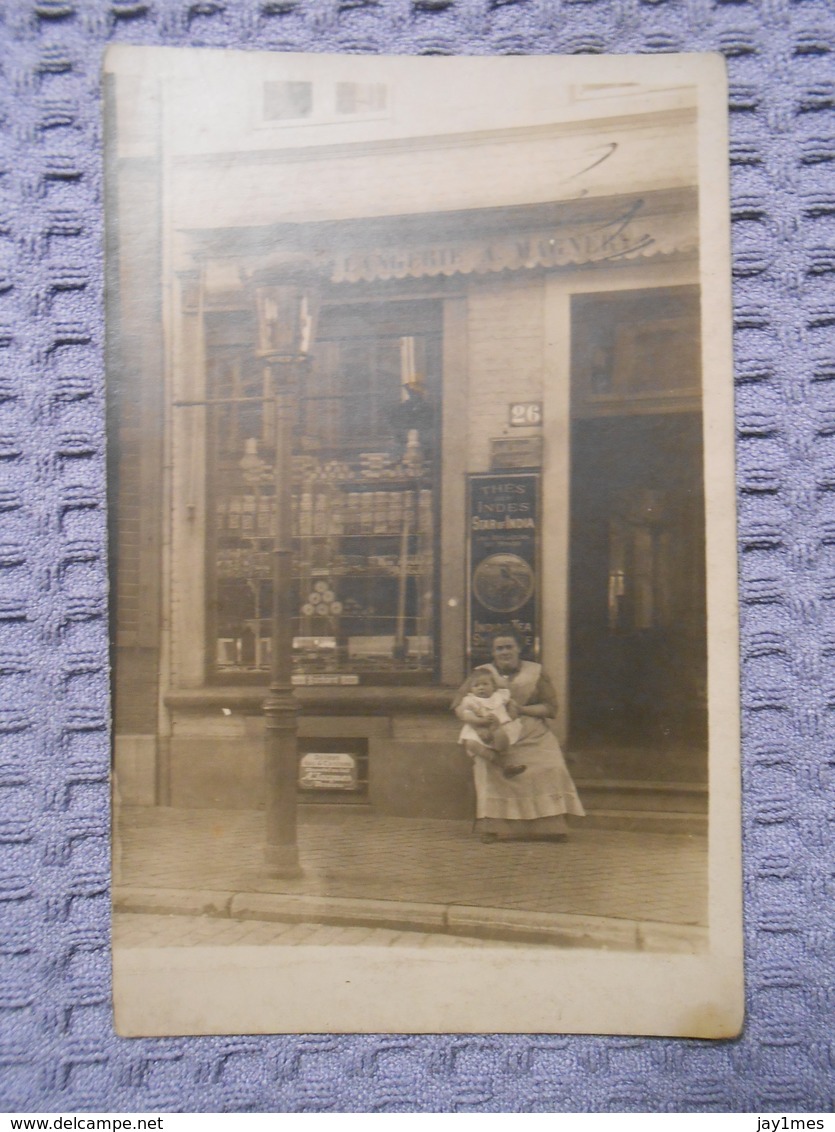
(137, 930)
(602, 887)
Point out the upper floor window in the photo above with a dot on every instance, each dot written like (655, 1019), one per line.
(300, 102)
(287, 100)
(361, 98)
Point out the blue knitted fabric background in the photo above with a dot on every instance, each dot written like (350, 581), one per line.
(57, 1047)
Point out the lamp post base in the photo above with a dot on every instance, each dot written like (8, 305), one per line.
(282, 862)
(281, 708)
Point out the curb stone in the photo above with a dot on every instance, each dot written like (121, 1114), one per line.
(501, 924)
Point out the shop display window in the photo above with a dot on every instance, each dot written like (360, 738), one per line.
(365, 501)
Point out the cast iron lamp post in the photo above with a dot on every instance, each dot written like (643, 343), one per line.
(285, 291)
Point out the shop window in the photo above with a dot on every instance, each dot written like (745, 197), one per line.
(365, 500)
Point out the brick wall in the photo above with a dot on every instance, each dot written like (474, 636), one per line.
(135, 681)
(505, 330)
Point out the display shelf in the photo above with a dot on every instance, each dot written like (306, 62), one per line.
(366, 575)
(369, 537)
(354, 617)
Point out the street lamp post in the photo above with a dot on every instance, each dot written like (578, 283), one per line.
(285, 292)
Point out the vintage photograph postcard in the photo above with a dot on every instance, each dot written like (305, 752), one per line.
(422, 508)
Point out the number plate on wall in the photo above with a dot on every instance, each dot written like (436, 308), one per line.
(525, 414)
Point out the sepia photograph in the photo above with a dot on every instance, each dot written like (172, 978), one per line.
(423, 546)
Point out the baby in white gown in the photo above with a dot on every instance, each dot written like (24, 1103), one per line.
(487, 722)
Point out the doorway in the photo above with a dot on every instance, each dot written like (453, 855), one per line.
(638, 656)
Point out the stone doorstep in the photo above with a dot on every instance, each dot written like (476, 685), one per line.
(683, 798)
(562, 929)
(633, 806)
(646, 821)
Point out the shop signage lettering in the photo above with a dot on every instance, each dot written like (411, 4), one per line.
(591, 246)
(326, 771)
(605, 239)
(503, 556)
(506, 524)
(516, 452)
(312, 679)
(419, 261)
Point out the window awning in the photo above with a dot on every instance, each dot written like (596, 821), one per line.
(546, 236)
(626, 235)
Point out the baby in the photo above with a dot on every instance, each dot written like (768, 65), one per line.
(484, 713)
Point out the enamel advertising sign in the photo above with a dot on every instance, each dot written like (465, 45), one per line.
(504, 532)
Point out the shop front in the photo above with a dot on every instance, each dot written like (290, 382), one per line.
(500, 426)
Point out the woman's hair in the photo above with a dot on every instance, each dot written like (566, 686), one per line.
(494, 636)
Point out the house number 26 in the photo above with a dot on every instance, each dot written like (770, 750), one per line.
(525, 414)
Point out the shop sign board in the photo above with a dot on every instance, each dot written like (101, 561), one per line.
(516, 452)
(316, 679)
(503, 520)
(327, 770)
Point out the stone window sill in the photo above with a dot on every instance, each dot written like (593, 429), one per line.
(318, 701)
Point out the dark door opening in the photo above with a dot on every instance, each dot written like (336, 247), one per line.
(638, 658)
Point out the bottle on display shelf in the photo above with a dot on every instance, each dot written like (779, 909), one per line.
(306, 514)
(380, 513)
(352, 517)
(320, 514)
(266, 524)
(367, 513)
(425, 511)
(412, 456)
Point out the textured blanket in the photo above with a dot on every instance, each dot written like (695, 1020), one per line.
(57, 1048)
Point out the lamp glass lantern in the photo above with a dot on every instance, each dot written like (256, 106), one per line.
(287, 313)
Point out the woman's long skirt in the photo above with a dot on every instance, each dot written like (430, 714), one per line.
(533, 805)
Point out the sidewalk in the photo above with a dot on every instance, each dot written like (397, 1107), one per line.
(604, 888)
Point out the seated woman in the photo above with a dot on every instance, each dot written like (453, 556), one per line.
(531, 806)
